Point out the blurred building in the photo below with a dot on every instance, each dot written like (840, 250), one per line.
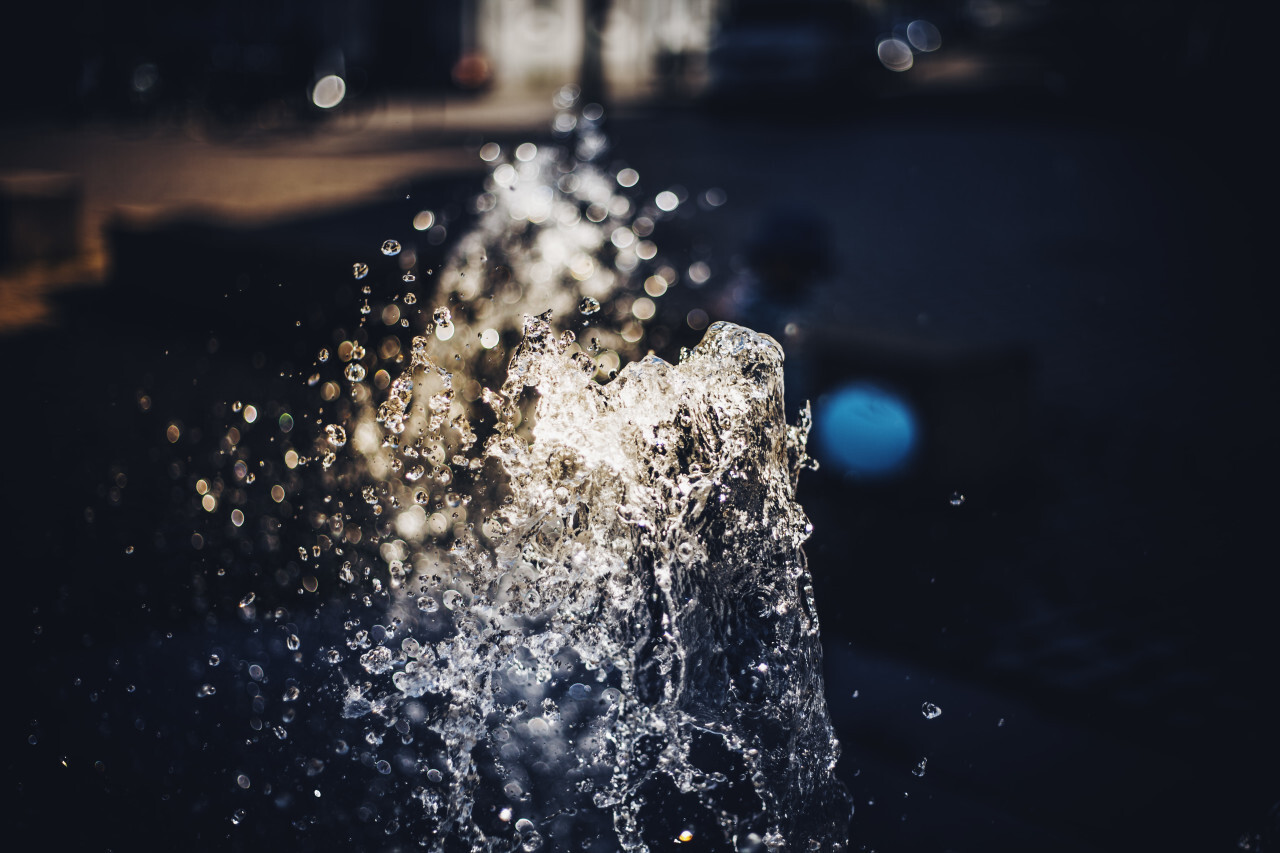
(645, 46)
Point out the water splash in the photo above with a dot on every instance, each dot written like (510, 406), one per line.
(575, 605)
(635, 623)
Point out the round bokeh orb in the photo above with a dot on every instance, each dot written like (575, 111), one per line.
(866, 431)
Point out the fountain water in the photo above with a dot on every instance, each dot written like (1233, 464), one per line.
(576, 609)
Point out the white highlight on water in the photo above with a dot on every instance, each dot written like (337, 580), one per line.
(634, 619)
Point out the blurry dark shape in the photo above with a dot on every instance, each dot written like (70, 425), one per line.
(1130, 57)
(1134, 54)
(788, 249)
(790, 52)
(591, 75)
(987, 14)
(39, 218)
(673, 70)
(413, 47)
(232, 65)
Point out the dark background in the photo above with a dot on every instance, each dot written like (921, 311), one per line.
(1060, 263)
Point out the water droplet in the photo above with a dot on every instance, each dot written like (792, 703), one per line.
(355, 371)
(391, 247)
(957, 499)
(918, 770)
(442, 317)
(214, 660)
(409, 298)
(359, 270)
(128, 549)
(322, 356)
(588, 306)
(238, 816)
(377, 661)
(930, 711)
(206, 690)
(336, 434)
(384, 767)
(243, 781)
(293, 642)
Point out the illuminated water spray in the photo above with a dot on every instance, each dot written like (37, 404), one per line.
(575, 610)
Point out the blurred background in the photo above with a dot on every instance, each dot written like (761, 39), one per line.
(1014, 251)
